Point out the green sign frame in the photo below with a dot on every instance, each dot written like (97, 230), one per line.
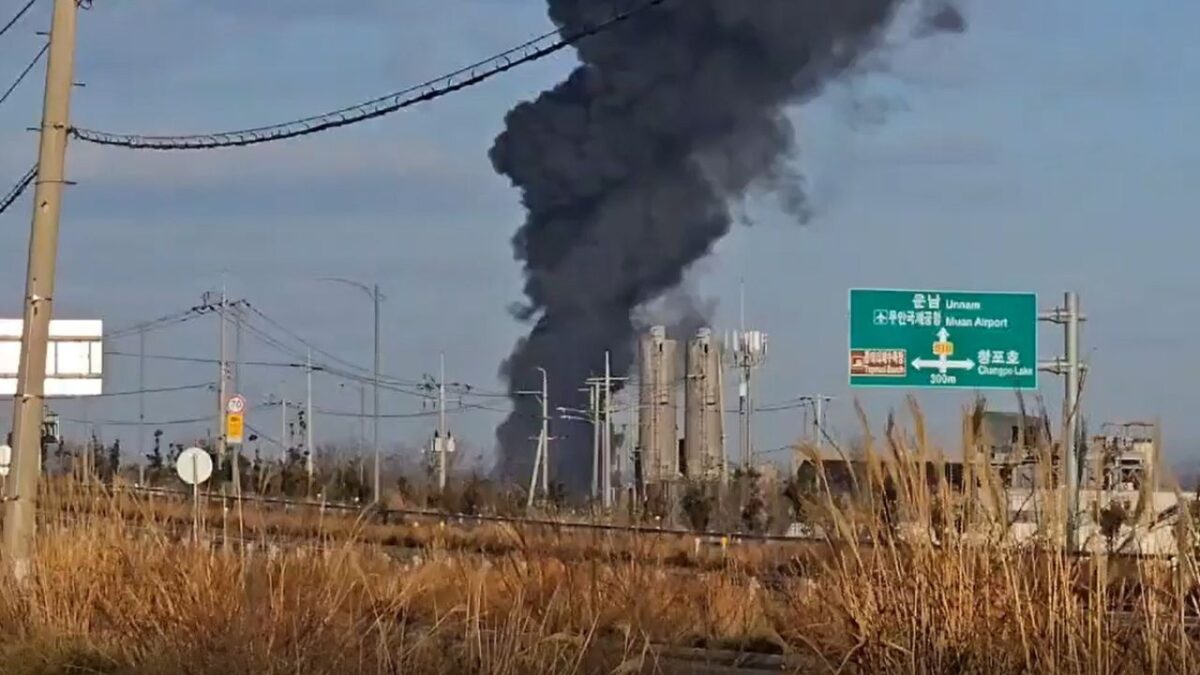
(939, 339)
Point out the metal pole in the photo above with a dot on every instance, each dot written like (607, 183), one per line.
(310, 464)
(747, 408)
(594, 409)
(442, 433)
(236, 369)
(283, 434)
(606, 460)
(21, 508)
(1071, 413)
(378, 489)
(141, 397)
(222, 376)
(819, 423)
(544, 440)
(537, 462)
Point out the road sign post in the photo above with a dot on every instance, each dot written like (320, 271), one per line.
(943, 339)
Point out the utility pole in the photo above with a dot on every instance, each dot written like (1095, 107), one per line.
(818, 401)
(21, 498)
(222, 380)
(594, 410)
(310, 463)
(284, 444)
(237, 347)
(607, 432)
(602, 416)
(141, 397)
(377, 492)
(541, 459)
(1069, 316)
(443, 433)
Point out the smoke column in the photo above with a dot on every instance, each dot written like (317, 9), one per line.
(628, 167)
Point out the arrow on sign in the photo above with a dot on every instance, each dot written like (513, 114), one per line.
(944, 364)
(943, 334)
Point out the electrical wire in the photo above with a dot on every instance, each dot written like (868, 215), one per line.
(20, 13)
(208, 361)
(133, 423)
(534, 50)
(19, 188)
(20, 78)
(328, 355)
(160, 323)
(157, 390)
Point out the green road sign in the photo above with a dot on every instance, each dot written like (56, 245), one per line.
(943, 339)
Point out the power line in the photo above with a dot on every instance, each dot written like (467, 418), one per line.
(158, 390)
(20, 13)
(20, 78)
(19, 188)
(329, 355)
(132, 423)
(160, 323)
(534, 50)
(209, 361)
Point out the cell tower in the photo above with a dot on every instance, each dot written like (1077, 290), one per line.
(703, 422)
(658, 444)
(747, 352)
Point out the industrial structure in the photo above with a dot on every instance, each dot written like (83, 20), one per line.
(704, 432)
(658, 449)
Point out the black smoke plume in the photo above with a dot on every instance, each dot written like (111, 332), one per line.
(628, 168)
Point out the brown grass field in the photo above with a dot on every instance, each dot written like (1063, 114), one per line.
(117, 593)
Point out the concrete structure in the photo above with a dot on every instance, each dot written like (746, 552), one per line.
(704, 433)
(1124, 457)
(657, 408)
(74, 358)
(1012, 444)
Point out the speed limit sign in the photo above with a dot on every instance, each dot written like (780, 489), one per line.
(235, 404)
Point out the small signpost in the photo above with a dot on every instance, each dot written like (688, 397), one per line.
(194, 467)
(943, 339)
(235, 419)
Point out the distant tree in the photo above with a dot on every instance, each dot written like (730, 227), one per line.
(1112, 518)
(112, 464)
(155, 464)
(800, 489)
(697, 505)
(755, 516)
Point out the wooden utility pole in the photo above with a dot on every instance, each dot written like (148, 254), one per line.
(21, 496)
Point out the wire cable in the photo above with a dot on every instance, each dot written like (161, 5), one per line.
(20, 78)
(18, 189)
(534, 50)
(158, 390)
(159, 323)
(20, 13)
(133, 423)
(210, 361)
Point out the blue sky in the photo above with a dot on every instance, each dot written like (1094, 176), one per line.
(1047, 148)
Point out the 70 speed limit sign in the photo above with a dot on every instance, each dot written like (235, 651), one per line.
(236, 404)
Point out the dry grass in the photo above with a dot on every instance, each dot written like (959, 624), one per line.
(115, 595)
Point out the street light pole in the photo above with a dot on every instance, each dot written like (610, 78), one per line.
(377, 492)
(372, 292)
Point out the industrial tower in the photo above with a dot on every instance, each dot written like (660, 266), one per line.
(658, 446)
(704, 433)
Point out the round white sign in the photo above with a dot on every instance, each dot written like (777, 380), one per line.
(235, 404)
(194, 466)
(5, 459)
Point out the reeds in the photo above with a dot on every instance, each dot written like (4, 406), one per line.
(911, 576)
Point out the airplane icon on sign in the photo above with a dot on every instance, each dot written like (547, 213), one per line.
(881, 317)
